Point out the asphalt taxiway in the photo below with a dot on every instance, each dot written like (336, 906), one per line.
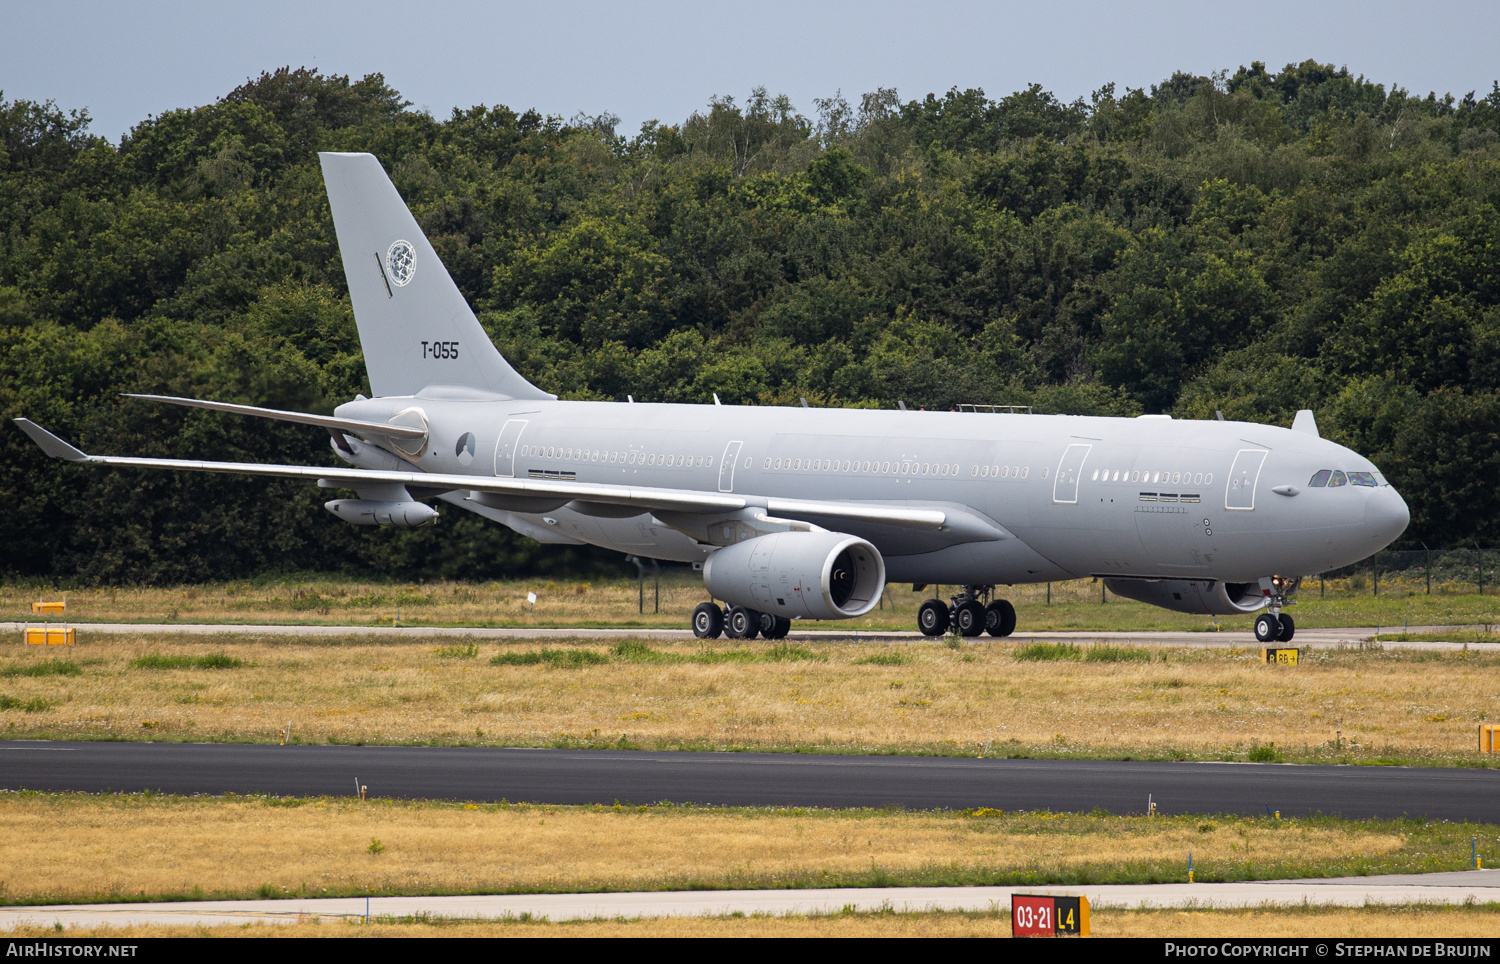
(750, 779)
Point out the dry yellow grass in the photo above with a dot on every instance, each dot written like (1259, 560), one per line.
(1187, 702)
(1416, 923)
(615, 602)
(60, 848)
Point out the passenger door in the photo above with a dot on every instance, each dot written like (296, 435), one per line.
(1239, 493)
(505, 447)
(1069, 474)
(726, 466)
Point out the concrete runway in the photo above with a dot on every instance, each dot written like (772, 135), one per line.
(751, 779)
(1446, 888)
(1309, 638)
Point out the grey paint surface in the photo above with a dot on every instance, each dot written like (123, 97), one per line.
(751, 779)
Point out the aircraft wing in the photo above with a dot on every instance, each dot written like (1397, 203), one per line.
(644, 497)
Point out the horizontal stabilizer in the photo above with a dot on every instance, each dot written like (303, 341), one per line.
(50, 443)
(301, 418)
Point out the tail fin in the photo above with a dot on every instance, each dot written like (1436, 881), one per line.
(414, 325)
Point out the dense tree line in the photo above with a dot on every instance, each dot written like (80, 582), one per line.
(1251, 243)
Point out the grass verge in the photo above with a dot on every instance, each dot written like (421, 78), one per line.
(1414, 922)
(64, 848)
(1364, 705)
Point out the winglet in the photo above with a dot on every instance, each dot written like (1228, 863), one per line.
(1304, 422)
(50, 443)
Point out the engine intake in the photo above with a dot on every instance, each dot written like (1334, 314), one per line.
(814, 575)
(1207, 597)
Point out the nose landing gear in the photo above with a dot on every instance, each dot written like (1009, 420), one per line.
(1274, 625)
(968, 614)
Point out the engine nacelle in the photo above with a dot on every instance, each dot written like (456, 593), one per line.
(367, 512)
(814, 575)
(1207, 597)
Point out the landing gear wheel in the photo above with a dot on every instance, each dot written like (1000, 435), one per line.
(1288, 629)
(708, 621)
(1267, 628)
(968, 618)
(742, 623)
(932, 618)
(1000, 618)
(774, 627)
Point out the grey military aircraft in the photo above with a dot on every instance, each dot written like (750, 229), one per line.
(799, 513)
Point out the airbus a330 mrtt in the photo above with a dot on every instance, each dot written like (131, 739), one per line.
(807, 513)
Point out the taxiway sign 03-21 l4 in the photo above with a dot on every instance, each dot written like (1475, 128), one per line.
(798, 513)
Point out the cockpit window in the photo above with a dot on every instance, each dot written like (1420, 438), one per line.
(1338, 479)
(1320, 479)
(1362, 478)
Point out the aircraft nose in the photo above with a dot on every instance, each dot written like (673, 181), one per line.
(1386, 515)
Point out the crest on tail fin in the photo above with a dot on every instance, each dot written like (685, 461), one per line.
(414, 324)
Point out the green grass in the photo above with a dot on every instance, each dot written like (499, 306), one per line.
(458, 652)
(1453, 636)
(635, 651)
(36, 705)
(1105, 653)
(1036, 652)
(53, 667)
(891, 658)
(211, 661)
(561, 658)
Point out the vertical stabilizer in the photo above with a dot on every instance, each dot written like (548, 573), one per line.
(414, 325)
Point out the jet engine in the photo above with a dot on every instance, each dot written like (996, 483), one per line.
(814, 575)
(1208, 597)
(368, 512)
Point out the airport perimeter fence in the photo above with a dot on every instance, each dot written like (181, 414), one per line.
(1447, 571)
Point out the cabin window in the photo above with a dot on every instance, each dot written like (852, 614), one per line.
(1045, 471)
(1096, 476)
(846, 466)
(1362, 478)
(1337, 480)
(1027, 471)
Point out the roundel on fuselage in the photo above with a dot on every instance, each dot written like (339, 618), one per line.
(465, 448)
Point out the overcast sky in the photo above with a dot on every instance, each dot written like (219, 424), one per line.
(125, 60)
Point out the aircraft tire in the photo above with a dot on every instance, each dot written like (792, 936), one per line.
(774, 627)
(1000, 618)
(969, 618)
(932, 618)
(708, 621)
(1267, 628)
(742, 623)
(1288, 629)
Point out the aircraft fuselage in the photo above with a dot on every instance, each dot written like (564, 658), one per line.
(1035, 497)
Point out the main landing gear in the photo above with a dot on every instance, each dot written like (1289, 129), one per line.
(968, 613)
(1273, 625)
(710, 620)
